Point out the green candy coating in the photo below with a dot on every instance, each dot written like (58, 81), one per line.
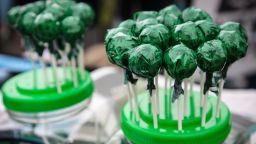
(84, 11)
(234, 26)
(46, 27)
(172, 9)
(194, 14)
(210, 29)
(211, 56)
(142, 15)
(234, 43)
(180, 62)
(27, 23)
(140, 25)
(59, 12)
(72, 28)
(128, 24)
(188, 34)
(118, 48)
(145, 61)
(14, 15)
(169, 20)
(111, 32)
(157, 35)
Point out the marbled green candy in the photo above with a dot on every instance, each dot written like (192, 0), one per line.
(211, 56)
(72, 28)
(180, 62)
(234, 43)
(47, 27)
(13, 16)
(118, 48)
(27, 23)
(172, 9)
(234, 26)
(188, 34)
(40, 4)
(58, 11)
(145, 61)
(140, 25)
(142, 15)
(84, 11)
(169, 20)
(34, 7)
(210, 29)
(128, 24)
(195, 14)
(157, 35)
(112, 32)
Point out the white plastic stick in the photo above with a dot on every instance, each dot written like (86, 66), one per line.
(165, 83)
(74, 72)
(204, 109)
(186, 98)
(202, 81)
(180, 117)
(55, 75)
(191, 85)
(219, 98)
(126, 87)
(134, 97)
(153, 102)
(157, 95)
(42, 63)
(64, 65)
(81, 62)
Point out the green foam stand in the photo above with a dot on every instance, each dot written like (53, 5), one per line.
(28, 93)
(215, 131)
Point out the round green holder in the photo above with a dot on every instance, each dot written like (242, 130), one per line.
(28, 93)
(215, 131)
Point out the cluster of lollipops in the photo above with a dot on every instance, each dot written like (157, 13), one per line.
(56, 25)
(178, 42)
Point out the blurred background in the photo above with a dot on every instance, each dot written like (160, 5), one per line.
(109, 13)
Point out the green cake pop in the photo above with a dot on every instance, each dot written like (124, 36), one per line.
(146, 61)
(188, 34)
(157, 35)
(140, 25)
(84, 11)
(211, 57)
(234, 26)
(14, 15)
(236, 47)
(210, 29)
(128, 24)
(46, 27)
(142, 15)
(180, 63)
(111, 32)
(194, 14)
(169, 20)
(172, 9)
(27, 23)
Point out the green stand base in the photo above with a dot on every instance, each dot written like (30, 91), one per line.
(29, 93)
(143, 132)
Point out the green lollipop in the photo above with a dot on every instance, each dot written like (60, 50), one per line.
(210, 29)
(59, 12)
(27, 23)
(142, 15)
(13, 16)
(157, 35)
(172, 9)
(84, 11)
(211, 57)
(169, 20)
(194, 14)
(234, 26)
(188, 34)
(111, 32)
(72, 28)
(46, 27)
(180, 63)
(128, 24)
(140, 25)
(146, 61)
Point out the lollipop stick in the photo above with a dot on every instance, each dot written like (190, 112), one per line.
(153, 102)
(74, 72)
(134, 97)
(126, 86)
(81, 62)
(204, 109)
(64, 65)
(55, 75)
(180, 117)
(186, 98)
(42, 63)
(165, 83)
(203, 77)
(191, 85)
(219, 98)
(157, 95)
